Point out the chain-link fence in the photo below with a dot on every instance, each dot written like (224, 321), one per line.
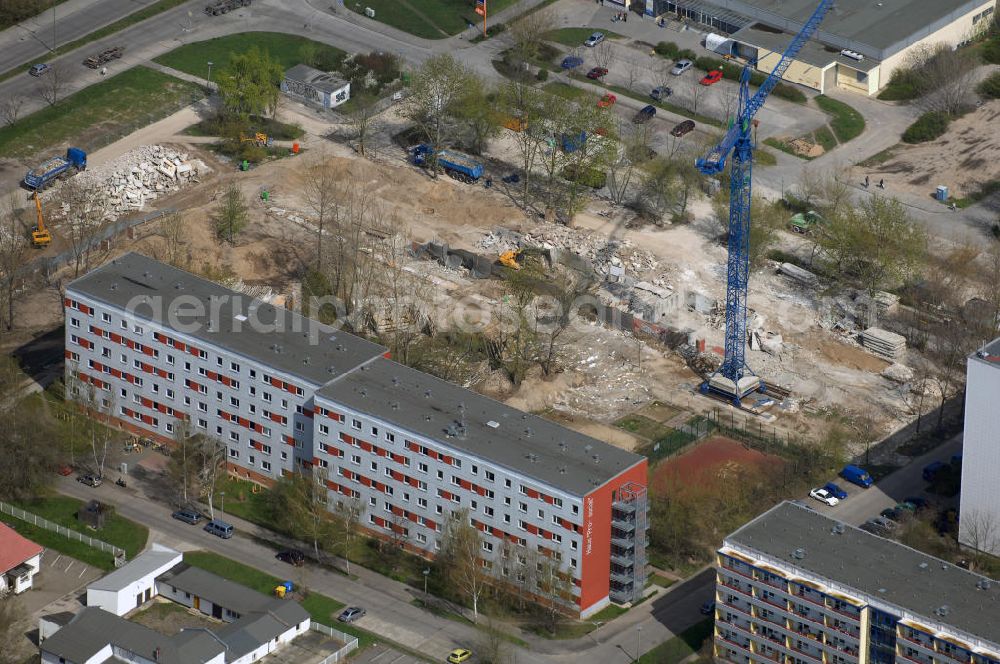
(350, 643)
(36, 520)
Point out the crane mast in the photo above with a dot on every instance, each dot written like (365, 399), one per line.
(734, 379)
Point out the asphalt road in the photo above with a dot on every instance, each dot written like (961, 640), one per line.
(389, 611)
(863, 504)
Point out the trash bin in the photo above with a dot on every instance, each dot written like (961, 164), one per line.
(295, 148)
(942, 193)
(245, 166)
(265, 195)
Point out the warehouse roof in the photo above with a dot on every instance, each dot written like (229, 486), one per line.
(273, 336)
(315, 78)
(812, 52)
(877, 23)
(154, 561)
(93, 629)
(467, 421)
(881, 569)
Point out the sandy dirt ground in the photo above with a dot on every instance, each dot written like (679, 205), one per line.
(963, 159)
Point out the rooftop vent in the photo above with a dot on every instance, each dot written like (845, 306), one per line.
(395, 380)
(983, 584)
(305, 360)
(562, 446)
(853, 55)
(596, 458)
(493, 424)
(943, 610)
(114, 286)
(427, 418)
(427, 394)
(276, 348)
(532, 457)
(241, 318)
(363, 392)
(838, 529)
(178, 286)
(799, 554)
(527, 432)
(562, 470)
(394, 405)
(331, 369)
(588, 447)
(922, 565)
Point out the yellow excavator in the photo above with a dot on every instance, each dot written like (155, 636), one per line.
(40, 236)
(259, 139)
(511, 259)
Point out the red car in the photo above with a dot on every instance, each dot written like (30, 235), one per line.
(65, 470)
(607, 101)
(711, 77)
(598, 72)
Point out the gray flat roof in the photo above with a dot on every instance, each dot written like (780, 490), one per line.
(879, 568)
(273, 336)
(142, 565)
(525, 443)
(92, 629)
(812, 53)
(315, 78)
(988, 354)
(231, 595)
(877, 24)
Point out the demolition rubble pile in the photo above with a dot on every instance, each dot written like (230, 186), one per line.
(139, 176)
(609, 257)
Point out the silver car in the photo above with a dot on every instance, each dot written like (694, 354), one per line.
(681, 66)
(594, 39)
(39, 69)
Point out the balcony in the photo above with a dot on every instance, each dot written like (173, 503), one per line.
(622, 561)
(783, 607)
(856, 617)
(736, 608)
(926, 646)
(736, 571)
(738, 589)
(622, 578)
(912, 659)
(729, 641)
(780, 585)
(812, 657)
(953, 658)
(796, 614)
(623, 543)
(623, 507)
(623, 526)
(735, 625)
(811, 600)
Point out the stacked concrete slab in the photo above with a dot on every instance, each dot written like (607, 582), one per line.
(883, 343)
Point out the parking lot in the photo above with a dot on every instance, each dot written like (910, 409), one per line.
(379, 654)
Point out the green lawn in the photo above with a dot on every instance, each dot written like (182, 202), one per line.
(286, 50)
(576, 36)
(565, 90)
(681, 646)
(846, 122)
(824, 138)
(642, 426)
(321, 608)
(430, 19)
(118, 531)
(99, 114)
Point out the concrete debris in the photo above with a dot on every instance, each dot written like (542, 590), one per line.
(604, 254)
(887, 302)
(796, 273)
(883, 343)
(771, 343)
(899, 373)
(129, 182)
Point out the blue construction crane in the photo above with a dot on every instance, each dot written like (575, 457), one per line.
(734, 379)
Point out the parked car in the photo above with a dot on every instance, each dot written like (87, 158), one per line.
(856, 475)
(39, 69)
(65, 470)
(681, 66)
(682, 128)
(292, 557)
(661, 92)
(459, 655)
(835, 490)
(607, 101)
(219, 528)
(90, 480)
(888, 524)
(597, 73)
(932, 469)
(645, 115)
(188, 516)
(571, 62)
(350, 614)
(892, 514)
(594, 39)
(824, 496)
(906, 507)
(917, 502)
(711, 77)
(708, 608)
(947, 522)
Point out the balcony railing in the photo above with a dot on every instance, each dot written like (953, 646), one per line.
(967, 660)
(856, 617)
(811, 600)
(738, 589)
(736, 608)
(783, 607)
(911, 659)
(928, 646)
(803, 652)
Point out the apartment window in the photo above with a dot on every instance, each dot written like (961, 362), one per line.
(374, 467)
(253, 391)
(122, 391)
(234, 367)
(406, 497)
(557, 538)
(106, 317)
(218, 430)
(298, 409)
(266, 465)
(266, 431)
(74, 322)
(218, 395)
(251, 459)
(422, 467)
(356, 424)
(386, 471)
(187, 400)
(506, 501)
(506, 483)
(472, 505)
(522, 507)
(234, 454)
(455, 481)
(487, 510)
(488, 474)
(284, 404)
(105, 352)
(170, 393)
(202, 423)
(521, 490)
(234, 436)
(284, 456)
(541, 515)
(440, 474)
(488, 547)
(253, 373)
(422, 538)
(489, 494)
(373, 501)
(233, 401)
(266, 396)
(457, 463)
(356, 459)
(422, 502)
(323, 429)
(168, 427)
(391, 437)
(202, 406)
(506, 518)
(187, 366)
(375, 431)
(156, 388)
(138, 330)
(202, 371)
(299, 426)
(576, 509)
(572, 563)
(438, 509)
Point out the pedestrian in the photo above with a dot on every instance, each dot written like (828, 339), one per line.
(866, 182)
(626, 16)
(881, 183)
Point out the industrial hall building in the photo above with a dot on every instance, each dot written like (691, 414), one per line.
(161, 352)
(796, 587)
(858, 46)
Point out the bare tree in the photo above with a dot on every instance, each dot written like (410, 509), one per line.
(980, 531)
(493, 645)
(633, 70)
(174, 247)
(527, 105)
(527, 33)
(11, 614)
(88, 211)
(320, 193)
(349, 513)
(309, 513)
(555, 587)
(211, 463)
(13, 255)
(10, 109)
(634, 149)
(232, 213)
(602, 54)
(729, 96)
(363, 120)
(948, 78)
(51, 86)
(460, 550)
(695, 92)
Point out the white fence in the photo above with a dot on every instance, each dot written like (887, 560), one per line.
(36, 520)
(350, 643)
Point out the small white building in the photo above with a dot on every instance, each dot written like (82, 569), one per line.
(20, 559)
(133, 584)
(315, 86)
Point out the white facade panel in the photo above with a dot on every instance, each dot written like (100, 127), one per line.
(979, 520)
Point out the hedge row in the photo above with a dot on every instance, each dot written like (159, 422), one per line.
(928, 126)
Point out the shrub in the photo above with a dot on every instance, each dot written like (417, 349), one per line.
(789, 92)
(905, 84)
(542, 75)
(588, 177)
(708, 64)
(667, 49)
(686, 54)
(990, 86)
(991, 50)
(928, 126)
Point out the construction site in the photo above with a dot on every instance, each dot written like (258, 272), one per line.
(650, 331)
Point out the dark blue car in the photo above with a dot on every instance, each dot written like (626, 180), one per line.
(571, 62)
(835, 490)
(932, 469)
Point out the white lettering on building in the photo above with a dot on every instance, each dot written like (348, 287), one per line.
(589, 537)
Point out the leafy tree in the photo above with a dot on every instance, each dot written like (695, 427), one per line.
(249, 85)
(874, 244)
(460, 558)
(478, 112)
(349, 513)
(305, 511)
(26, 467)
(11, 613)
(438, 91)
(232, 214)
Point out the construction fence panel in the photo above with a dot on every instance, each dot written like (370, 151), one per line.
(350, 643)
(34, 519)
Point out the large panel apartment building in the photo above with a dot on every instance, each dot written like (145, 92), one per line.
(155, 349)
(797, 587)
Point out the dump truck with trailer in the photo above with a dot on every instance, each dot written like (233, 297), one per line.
(455, 164)
(104, 57)
(56, 168)
(224, 6)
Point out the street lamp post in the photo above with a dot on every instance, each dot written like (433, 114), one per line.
(223, 507)
(208, 81)
(638, 643)
(427, 573)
